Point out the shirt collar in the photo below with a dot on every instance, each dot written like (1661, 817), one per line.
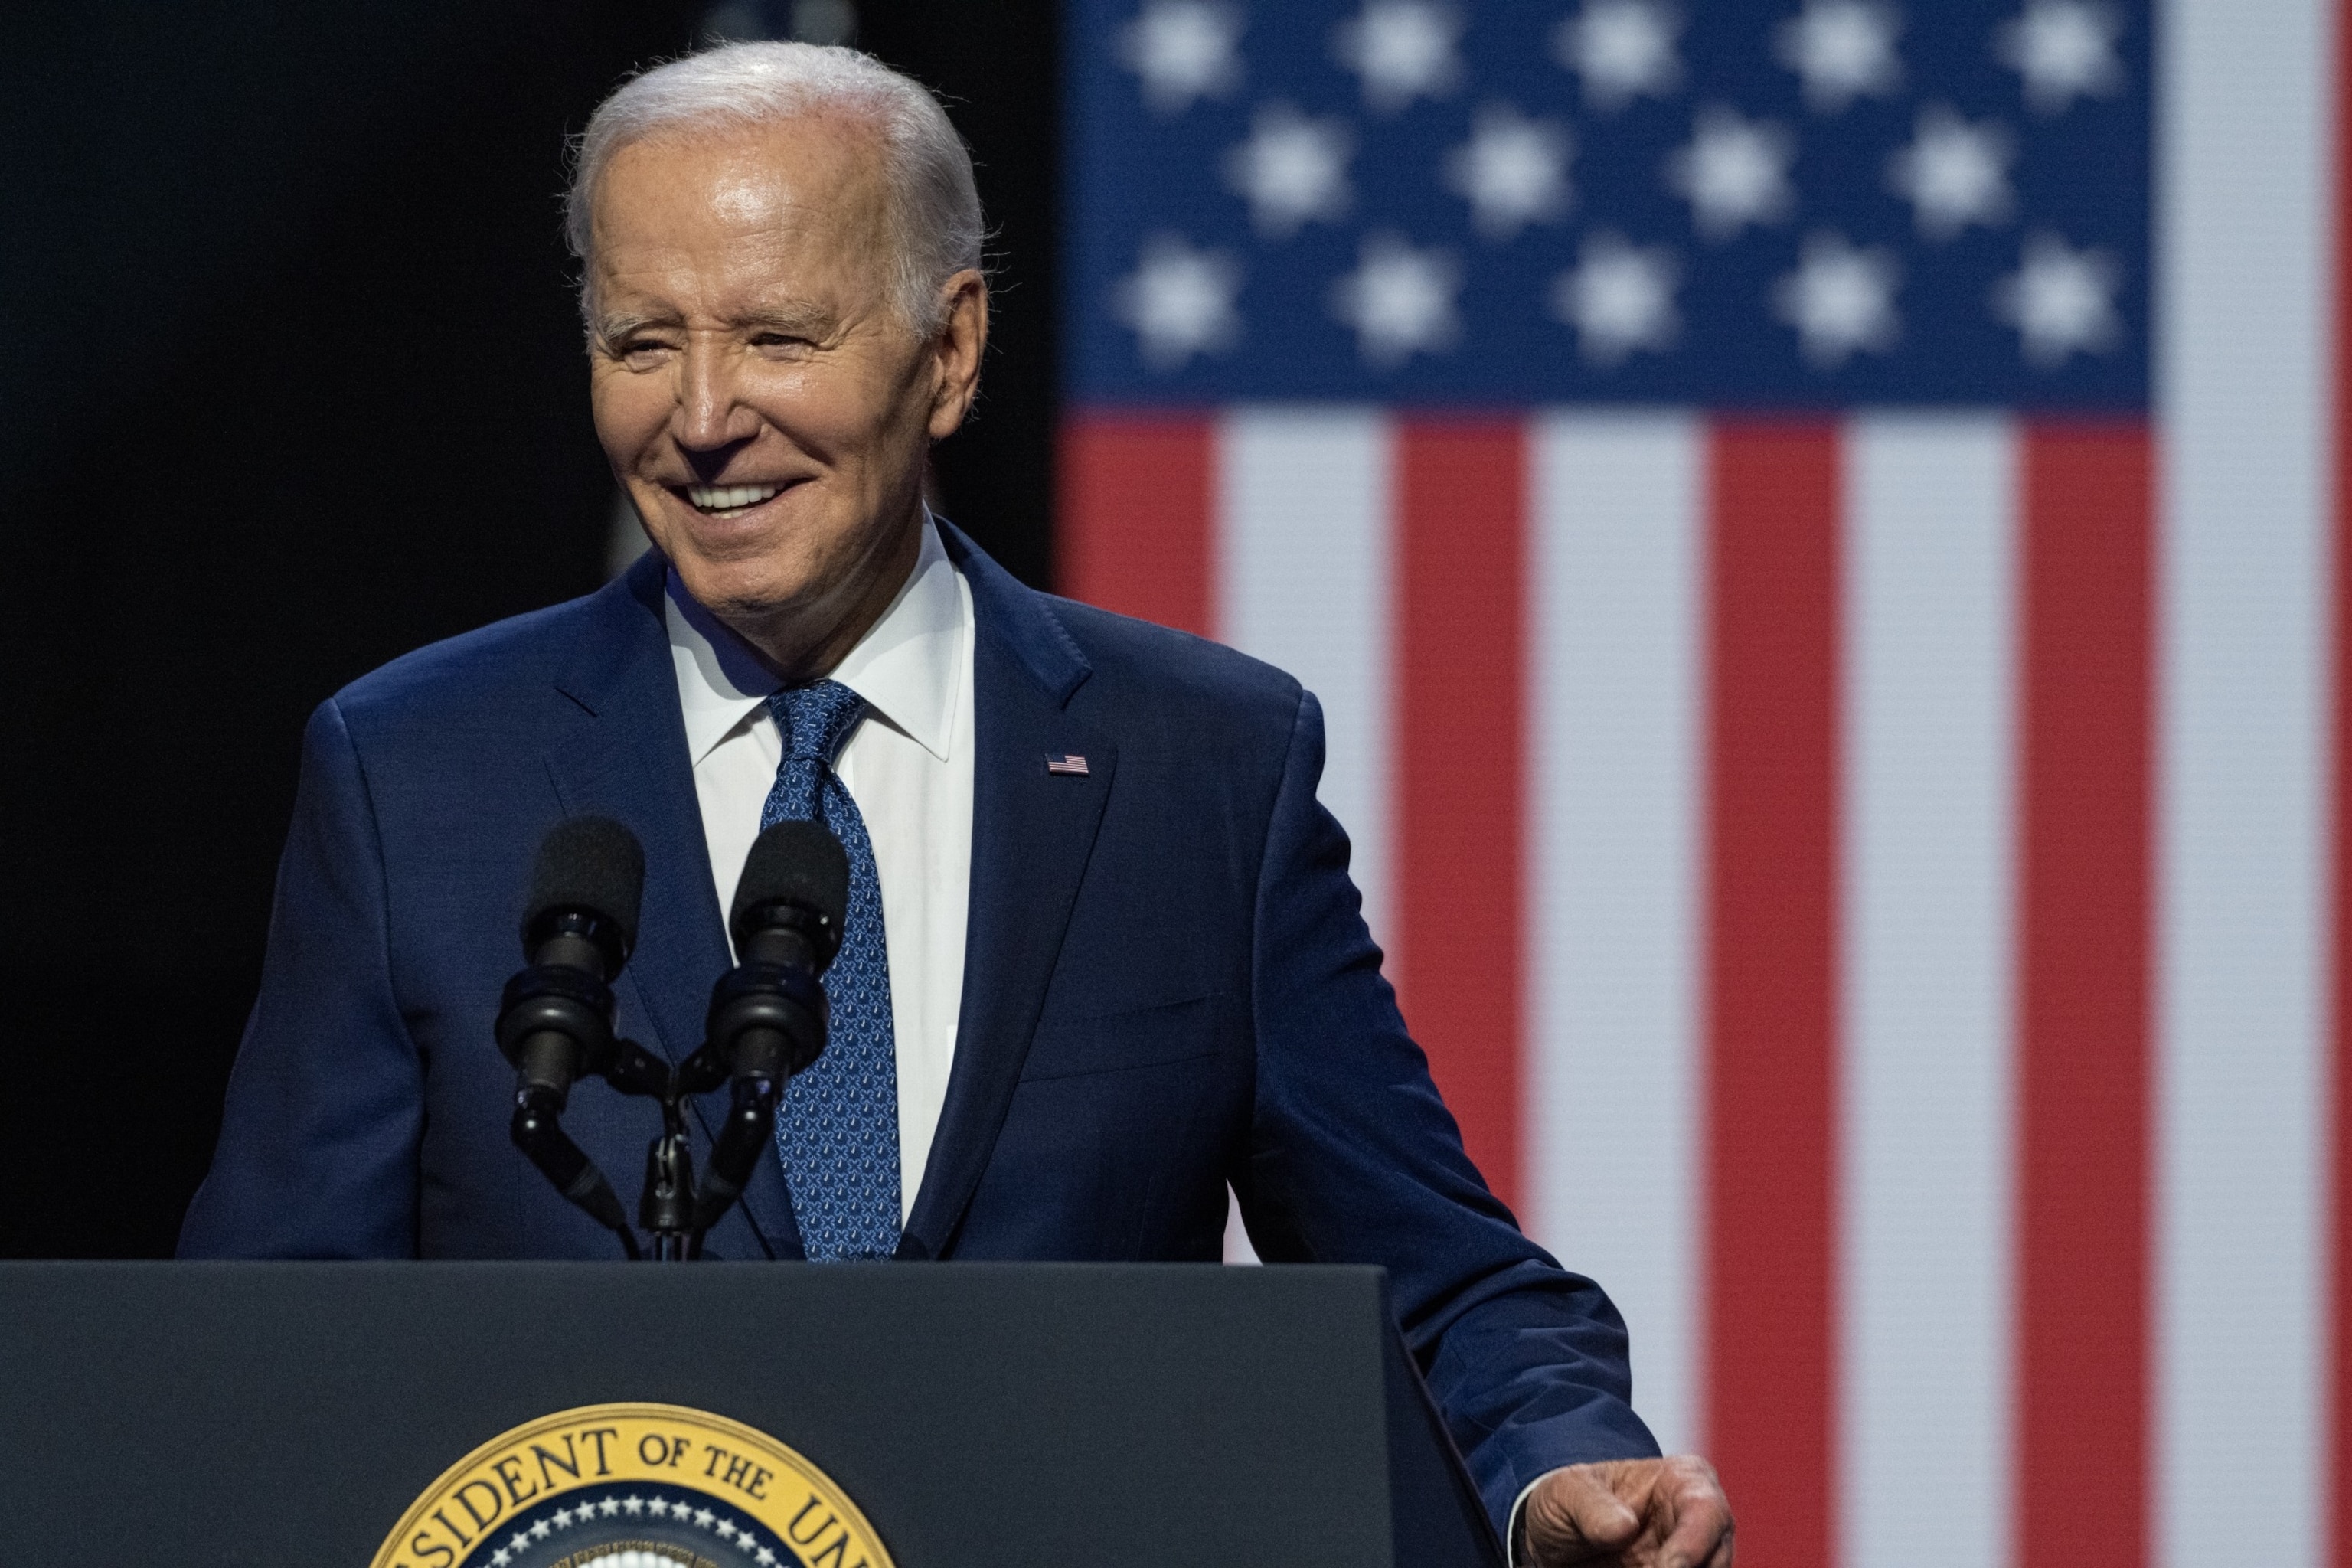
(909, 666)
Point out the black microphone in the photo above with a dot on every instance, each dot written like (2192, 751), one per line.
(578, 929)
(556, 1022)
(767, 1018)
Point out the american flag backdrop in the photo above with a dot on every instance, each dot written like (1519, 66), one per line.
(1814, 525)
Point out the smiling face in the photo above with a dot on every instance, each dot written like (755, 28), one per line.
(765, 404)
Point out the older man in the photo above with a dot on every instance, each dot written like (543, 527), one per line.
(1103, 958)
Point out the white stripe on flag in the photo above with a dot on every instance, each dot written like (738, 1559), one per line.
(1301, 522)
(1303, 533)
(1927, 855)
(2245, 127)
(1614, 1152)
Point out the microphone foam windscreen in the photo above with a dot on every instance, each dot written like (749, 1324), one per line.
(800, 862)
(588, 863)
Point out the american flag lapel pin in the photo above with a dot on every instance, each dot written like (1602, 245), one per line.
(1074, 766)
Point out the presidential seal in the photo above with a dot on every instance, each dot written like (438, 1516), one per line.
(634, 1486)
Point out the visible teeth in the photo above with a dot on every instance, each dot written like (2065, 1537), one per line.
(727, 498)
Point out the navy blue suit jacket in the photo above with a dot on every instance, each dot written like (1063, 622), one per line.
(1167, 987)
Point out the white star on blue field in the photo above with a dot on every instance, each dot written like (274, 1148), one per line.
(1787, 205)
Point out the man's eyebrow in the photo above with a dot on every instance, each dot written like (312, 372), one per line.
(615, 326)
(800, 317)
(805, 316)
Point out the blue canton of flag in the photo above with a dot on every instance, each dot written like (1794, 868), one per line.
(1829, 203)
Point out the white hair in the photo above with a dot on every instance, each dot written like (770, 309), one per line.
(933, 205)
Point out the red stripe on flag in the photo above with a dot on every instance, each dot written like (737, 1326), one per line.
(1134, 533)
(1459, 574)
(1772, 912)
(2081, 1310)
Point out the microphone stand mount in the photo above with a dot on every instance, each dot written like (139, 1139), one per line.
(771, 1020)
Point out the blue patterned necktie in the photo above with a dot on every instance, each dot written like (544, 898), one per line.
(838, 1131)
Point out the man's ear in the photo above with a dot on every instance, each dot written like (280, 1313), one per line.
(957, 350)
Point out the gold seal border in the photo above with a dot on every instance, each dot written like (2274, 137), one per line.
(862, 1536)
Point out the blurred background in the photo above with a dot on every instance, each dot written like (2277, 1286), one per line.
(1816, 526)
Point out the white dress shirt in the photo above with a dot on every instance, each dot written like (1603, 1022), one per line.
(908, 764)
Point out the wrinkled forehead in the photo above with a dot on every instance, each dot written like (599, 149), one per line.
(812, 183)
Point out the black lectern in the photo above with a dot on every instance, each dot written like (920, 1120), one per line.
(1046, 1416)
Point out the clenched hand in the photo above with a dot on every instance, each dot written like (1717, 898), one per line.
(1628, 1513)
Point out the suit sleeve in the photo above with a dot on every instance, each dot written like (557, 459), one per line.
(318, 1154)
(1355, 1159)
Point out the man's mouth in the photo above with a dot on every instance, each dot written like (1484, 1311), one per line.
(728, 500)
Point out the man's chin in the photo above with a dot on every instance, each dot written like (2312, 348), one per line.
(748, 607)
(743, 594)
(750, 574)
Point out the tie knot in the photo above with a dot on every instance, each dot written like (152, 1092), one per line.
(815, 719)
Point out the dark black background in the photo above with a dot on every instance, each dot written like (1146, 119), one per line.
(292, 384)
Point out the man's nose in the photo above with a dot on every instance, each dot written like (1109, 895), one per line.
(710, 413)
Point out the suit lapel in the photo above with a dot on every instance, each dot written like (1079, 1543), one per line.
(619, 748)
(1032, 834)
